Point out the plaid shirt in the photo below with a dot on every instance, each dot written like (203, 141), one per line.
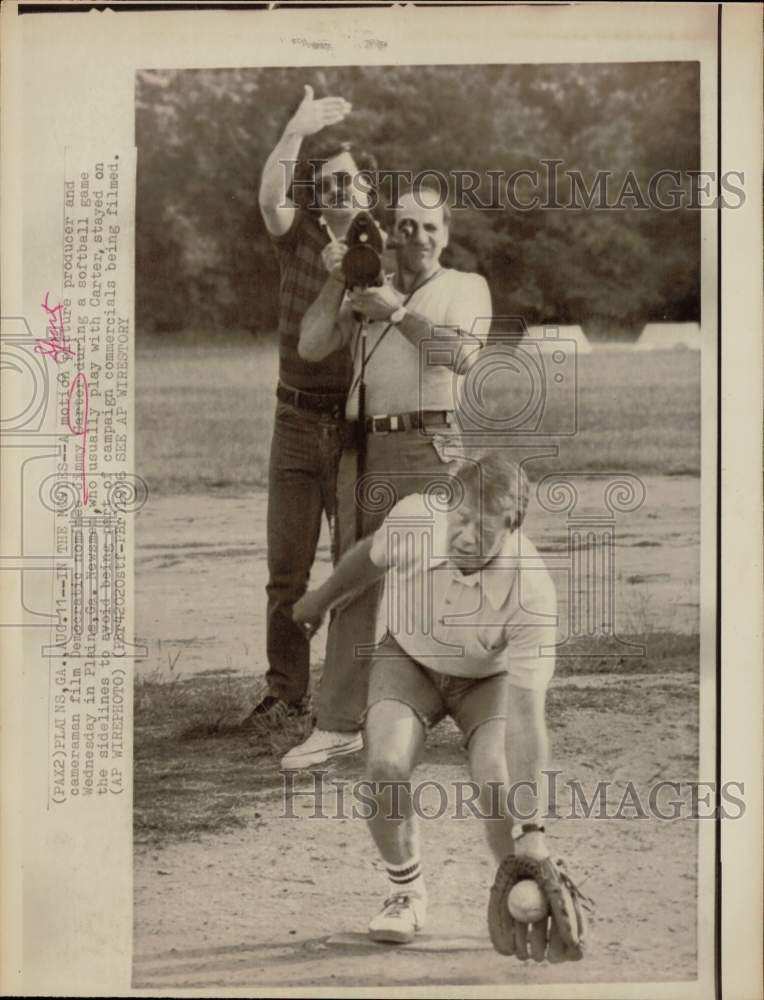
(302, 277)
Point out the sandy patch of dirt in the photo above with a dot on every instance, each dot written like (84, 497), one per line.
(201, 571)
(259, 906)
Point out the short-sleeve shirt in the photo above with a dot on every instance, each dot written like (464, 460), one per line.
(303, 275)
(401, 377)
(502, 618)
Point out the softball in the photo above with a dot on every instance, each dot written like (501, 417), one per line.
(527, 903)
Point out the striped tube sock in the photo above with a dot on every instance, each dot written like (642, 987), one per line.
(407, 878)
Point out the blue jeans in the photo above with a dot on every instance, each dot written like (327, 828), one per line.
(302, 481)
(398, 465)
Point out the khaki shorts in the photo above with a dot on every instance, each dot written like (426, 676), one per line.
(470, 701)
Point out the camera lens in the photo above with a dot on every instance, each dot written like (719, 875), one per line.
(361, 265)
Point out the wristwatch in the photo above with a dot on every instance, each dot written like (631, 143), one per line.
(520, 829)
(396, 316)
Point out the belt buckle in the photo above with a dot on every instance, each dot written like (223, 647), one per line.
(383, 416)
(440, 418)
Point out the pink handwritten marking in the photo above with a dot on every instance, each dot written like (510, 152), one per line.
(57, 342)
(51, 348)
(83, 433)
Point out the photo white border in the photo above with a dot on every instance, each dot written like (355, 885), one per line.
(70, 78)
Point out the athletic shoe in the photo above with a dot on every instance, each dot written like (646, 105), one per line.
(319, 747)
(271, 704)
(399, 919)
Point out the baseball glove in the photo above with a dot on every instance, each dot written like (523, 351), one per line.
(559, 937)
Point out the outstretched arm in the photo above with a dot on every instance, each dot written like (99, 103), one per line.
(278, 172)
(527, 745)
(352, 575)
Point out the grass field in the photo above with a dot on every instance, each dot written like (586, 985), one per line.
(204, 415)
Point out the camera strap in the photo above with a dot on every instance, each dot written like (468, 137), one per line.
(327, 229)
(360, 382)
(360, 461)
(362, 372)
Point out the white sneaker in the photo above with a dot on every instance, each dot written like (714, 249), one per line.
(319, 747)
(399, 919)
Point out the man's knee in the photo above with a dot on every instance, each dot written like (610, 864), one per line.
(393, 738)
(487, 754)
(488, 771)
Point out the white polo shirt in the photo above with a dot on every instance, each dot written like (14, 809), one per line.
(401, 378)
(500, 618)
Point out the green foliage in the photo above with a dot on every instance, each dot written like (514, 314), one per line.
(204, 259)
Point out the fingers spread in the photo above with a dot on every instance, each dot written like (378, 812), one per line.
(333, 105)
(538, 940)
(332, 119)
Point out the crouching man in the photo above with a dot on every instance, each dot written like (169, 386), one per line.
(471, 623)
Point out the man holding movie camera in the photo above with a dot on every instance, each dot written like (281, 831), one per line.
(306, 204)
(411, 341)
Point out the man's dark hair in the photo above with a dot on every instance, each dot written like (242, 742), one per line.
(308, 169)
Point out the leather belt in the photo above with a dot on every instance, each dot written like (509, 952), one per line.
(387, 423)
(333, 404)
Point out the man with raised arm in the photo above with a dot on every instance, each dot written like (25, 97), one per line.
(308, 197)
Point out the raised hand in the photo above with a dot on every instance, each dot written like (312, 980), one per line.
(313, 115)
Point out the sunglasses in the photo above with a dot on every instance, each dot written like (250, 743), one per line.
(335, 182)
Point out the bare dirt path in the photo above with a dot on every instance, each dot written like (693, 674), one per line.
(260, 906)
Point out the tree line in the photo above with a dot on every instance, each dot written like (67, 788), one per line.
(204, 261)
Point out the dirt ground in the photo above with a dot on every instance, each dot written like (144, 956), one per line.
(272, 902)
(201, 571)
(263, 905)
